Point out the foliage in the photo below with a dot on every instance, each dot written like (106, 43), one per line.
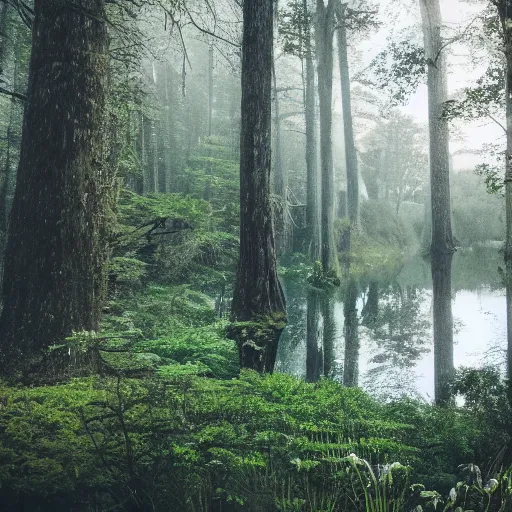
(399, 69)
(120, 442)
(205, 345)
(484, 99)
(477, 217)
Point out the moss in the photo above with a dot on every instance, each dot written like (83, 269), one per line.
(257, 341)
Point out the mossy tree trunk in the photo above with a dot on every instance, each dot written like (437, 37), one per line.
(56, 252)
(258, 297)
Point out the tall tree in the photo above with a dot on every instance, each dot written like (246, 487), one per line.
(313, 181)
(504, 8)
(324, 32)
(435, 55)
(54, 268)
(257, 296)
(348, 128)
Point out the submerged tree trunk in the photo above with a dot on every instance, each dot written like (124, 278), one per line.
(55, 259)
(443, 326)
(314, 349)
(329, 334)
(313, 181)
(442, 238)
(348, 127)
(351, 363)
(258, 296)
(324, 49)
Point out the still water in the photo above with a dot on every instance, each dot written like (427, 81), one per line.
(376, 331)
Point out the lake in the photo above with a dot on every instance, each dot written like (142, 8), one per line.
(376, 331)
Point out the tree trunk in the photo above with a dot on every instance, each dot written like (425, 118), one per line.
(314, 352)
(170, 142)
(258, 296)
(329, 334)
(324, 48)
(348, 127)
(443, 326)
(370, 311)
(313, 179)
(442, 238)
(54, 278)
(210, 89)
(280, 176)
(505, 14)
(147, 182)
(351, 363)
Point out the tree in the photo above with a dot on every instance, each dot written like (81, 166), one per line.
(257, 297)
(504, 8)
(396, 166)
(444, 369)
(55, 258)
(313, 196)
(324, 31)
(348, 128)
(442, 238)
(296, 31)
(442, 244)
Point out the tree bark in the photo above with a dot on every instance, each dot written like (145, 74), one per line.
(313, 180)
(442, 238)
(348, 127)
(258, 296)
(54, 278)
(324, 49)
(505, 13)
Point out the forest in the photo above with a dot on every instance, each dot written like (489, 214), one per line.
(256, 255)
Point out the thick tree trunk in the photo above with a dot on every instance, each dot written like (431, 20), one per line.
(54, 270)
(348, 127)
(4, 183)
(443, 326)
(324, 49)
(442, 238)
(257, 296)
(313, 179)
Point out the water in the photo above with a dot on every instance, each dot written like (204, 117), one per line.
(376, 331)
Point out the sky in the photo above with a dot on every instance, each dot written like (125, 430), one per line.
(462, 73)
